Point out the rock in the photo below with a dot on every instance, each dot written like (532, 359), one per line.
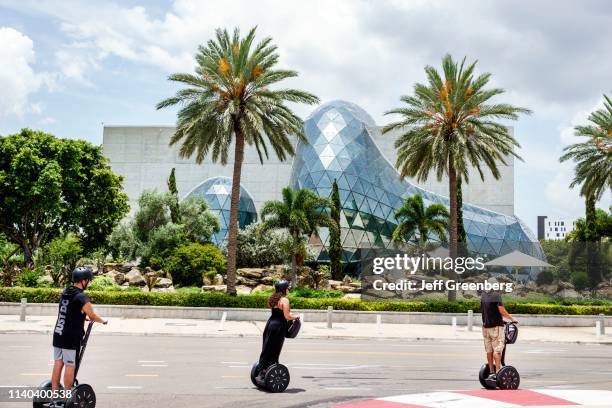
(346, 280)
(568, 293)
(348, 289)
(118, 277)
(163, 283)
(352, 296)
(261, 288)
(214, 288)
(604, 290)
(548, 289)
(135, 278)
(334, 283)
(247, 282)
(355, 284)
(126, 284)
(217, 280)
(169, 289)
(45, 279)
(243, 290)
(206, 280)
(251, 273)
(121, 267)
(267, 280)
(565, 285)
(504, 279)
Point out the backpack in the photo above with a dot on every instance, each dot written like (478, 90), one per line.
(511, 332)
(293, 328)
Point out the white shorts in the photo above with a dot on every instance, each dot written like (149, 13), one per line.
(66, 355)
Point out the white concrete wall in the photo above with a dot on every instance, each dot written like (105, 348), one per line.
(142, 156)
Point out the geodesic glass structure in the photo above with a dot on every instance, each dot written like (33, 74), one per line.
(217, 192)
(341, 148)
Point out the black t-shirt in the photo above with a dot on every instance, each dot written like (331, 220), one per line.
(69, 328)
(489, 303)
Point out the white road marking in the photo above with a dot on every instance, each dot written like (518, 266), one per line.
(124, 387)
(154, 365)
(241, 366)
(15, 386)
(20, 347)
(233, 362)
(583, 397)
(346, 388)
(142, 375)
(151, 361)
(34, 374)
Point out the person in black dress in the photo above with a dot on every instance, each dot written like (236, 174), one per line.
(276, 328)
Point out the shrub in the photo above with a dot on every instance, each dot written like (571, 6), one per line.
(103, 283)
(29, 277)
(187, 263)
(213, 299)
(258, 248)
(580, 280)
(62, 255)
(123, 244)
(162, 242)
(545, 278)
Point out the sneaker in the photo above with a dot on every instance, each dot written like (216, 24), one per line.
(492, 377)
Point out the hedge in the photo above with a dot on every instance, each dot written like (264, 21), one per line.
(211, 299)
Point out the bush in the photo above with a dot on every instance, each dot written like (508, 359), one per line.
(545, 278)
(103, 283)
(187, 263)
(123, 244)
(62, 255)
(29, 277)
(258, 248)
(580, 280)
(162, 242)
(213, 299)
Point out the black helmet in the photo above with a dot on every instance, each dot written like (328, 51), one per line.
(281, 286)
(81, 273)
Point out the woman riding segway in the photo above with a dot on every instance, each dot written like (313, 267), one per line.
(268, 373)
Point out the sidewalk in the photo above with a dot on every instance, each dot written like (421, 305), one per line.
(316, 330)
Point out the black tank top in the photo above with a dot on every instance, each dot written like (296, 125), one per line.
(69, 328)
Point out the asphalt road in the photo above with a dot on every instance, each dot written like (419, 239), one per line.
(150, 371)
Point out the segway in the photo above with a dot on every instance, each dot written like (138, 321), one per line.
(508, 377)
(81, 395)
(276, 377)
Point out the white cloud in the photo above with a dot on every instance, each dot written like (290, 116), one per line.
(18, 79)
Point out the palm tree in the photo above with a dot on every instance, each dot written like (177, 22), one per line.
(300, 213)
(593, 172)
(449, 125)
(418, 223)
(229, 100)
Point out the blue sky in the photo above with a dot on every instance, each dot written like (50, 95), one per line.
(69, 66)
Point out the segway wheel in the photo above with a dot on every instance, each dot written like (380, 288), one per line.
(277, 378)
(482, 377)
(508, 378)
(83, 396)
(40, 402)
(254, 374)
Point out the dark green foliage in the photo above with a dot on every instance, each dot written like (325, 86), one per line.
(335, 244)
(545, 277)
(259, 247)
(62, 255)
(189, 299)
(187, 263)
(417, 222)
(175, 213)
(50, 186)
(580, 280)
(29, 277)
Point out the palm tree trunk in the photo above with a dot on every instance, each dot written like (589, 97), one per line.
(592, 267)
(452, 192)
(294, 271)
(235, 200)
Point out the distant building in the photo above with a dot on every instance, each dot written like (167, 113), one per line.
(554, 228)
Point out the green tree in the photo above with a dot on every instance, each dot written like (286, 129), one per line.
(62, 255)
(259, 247)
(187, 263)
(449, 124)
(50, 186)
(232, 98)
(335, 244)
(418, 223)
(175, 213)
(593, 173)
(153, 212)
(200, 223)
(301, 213)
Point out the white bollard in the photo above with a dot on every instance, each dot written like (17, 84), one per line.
(598, 328)
(22, 314)
(330, 311)
(223, 318)
(602, 325)
(379, 323)
(454, 324)
(470, 321)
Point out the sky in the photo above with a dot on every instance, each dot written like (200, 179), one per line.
(68, 67)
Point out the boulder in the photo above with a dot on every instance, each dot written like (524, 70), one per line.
(121, 267)
(568, 293)
(504, 279)
(206, 280)
(267, 280)
(251, 273)
(346, 280)
(163, 283)
(565, 285)
(135, 278)
(352, 296)
(355, 284)
(260, 288)
(45, 279)
(348, 289)
(118, 277)
(214, 288)
(243, 290)
(247, 282)
(604, 290)
(334, 283)
(548, 289)
(169, 289)
(217, 280)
